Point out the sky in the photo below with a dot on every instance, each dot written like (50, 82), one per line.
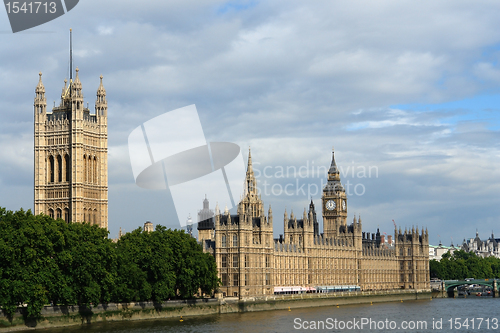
(407, 92)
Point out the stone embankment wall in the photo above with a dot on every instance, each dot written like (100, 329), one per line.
(60, 316)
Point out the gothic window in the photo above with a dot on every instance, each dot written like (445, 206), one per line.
(223, 260)
(235, 260)
(58, 213)
(51, 169)
(95, 169)
(84, 168)
(59, 168)
(246, 260)
(409, 251)
(66, 213)
(51, 213)
(267, 260)
(235, 240)
(68, 168)
(223, 241)
(246, 280)
(96, 220)
(224, 279)
(236, 279)
(268, 279)
(89, 169)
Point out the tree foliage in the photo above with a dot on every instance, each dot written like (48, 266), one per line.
(43, 261)
(462, 265)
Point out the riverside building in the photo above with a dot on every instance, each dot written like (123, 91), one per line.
(251, 262)
(71, 155)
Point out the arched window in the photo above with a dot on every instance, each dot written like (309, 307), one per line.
(84, 168)
(68, 169)
(89, 169)
(51, 170)
(66, 213)
(95, 169)
(58, 213)
(51, 212)
(59, 168)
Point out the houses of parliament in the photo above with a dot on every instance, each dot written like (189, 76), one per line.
(71, 155)
(70, 182)
(251, 262)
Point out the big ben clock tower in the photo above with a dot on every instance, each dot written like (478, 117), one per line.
(334, 202)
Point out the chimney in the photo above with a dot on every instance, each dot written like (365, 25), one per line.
(389, 239)
(382, 239)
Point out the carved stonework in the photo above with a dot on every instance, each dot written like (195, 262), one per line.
(70, 182)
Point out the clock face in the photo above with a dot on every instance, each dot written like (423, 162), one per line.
(330, 205)
(343, 205)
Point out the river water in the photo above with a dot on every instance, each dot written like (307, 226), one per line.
(408, 316)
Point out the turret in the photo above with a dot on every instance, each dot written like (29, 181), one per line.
(40, 103)
(101, 104)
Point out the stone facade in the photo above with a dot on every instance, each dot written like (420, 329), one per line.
(482, 248)
(251, 262)
(71, 156)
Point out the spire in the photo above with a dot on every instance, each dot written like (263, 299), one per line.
(101, 90)
(205, 203)
(270, 212)
(249, 167)
(250, 181)
(77, 79)
(40, 103)
(40, 83)
(101, 105)
(334, 184)
(70, 55)
(311, 205)
(333, 165)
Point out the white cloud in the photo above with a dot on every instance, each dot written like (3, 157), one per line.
(289, 78)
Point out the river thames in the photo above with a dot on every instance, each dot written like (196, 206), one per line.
(472, 314)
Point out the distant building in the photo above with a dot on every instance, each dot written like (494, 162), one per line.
(436, 252)
(149, 227)
(206, 212)
(189, 224)
(482, 248)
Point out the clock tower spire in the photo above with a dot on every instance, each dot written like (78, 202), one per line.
(334, 202)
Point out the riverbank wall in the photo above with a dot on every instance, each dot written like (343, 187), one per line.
(60, 316)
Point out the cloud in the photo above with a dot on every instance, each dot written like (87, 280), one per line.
(377, 80)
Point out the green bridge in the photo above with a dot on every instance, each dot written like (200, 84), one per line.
(449, 285)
